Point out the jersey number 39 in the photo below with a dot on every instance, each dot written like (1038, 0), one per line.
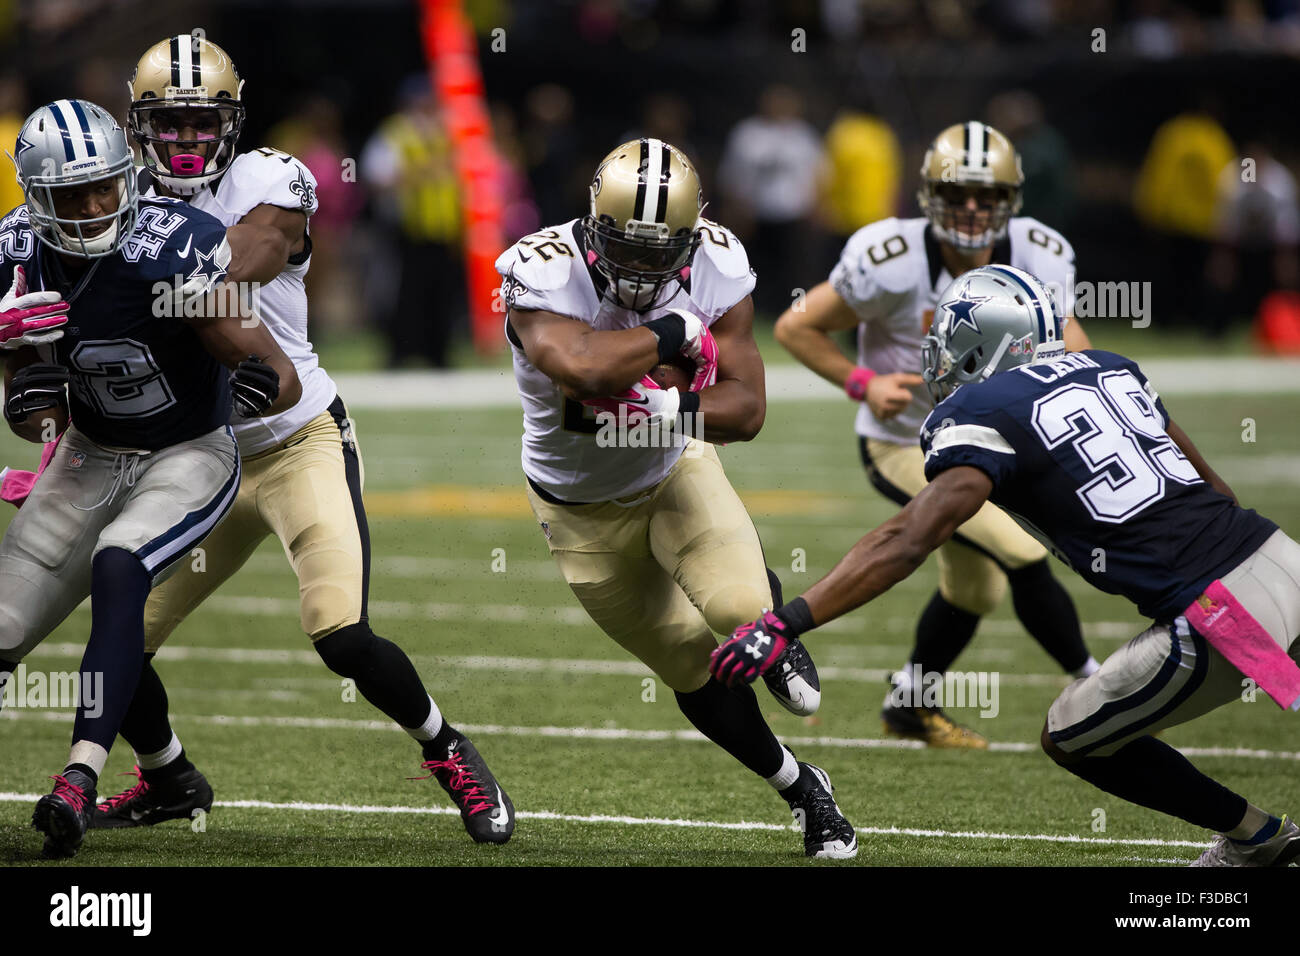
(1102, 423)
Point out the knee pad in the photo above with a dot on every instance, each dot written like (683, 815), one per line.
(728, 609)
(344, 650)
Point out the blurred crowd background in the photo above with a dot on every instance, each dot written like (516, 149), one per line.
(1157, 135)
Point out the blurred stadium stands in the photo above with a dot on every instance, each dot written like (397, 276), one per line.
(1127, 115)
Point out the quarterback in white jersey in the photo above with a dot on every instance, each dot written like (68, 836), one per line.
(630, 495)
(302, 471)
(887, 284)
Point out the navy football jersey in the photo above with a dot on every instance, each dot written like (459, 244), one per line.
(139, 376)
(1078, 454)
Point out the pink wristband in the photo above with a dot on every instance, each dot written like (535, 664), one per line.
(856, 384)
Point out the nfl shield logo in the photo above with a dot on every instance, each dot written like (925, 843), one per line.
(77, 459)
(546, 529)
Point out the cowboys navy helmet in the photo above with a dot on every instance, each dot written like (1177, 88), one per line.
(74, 143)
(988, 320)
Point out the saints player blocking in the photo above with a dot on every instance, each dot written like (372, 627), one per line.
(148, 465)
(302, 470)
(886, 285)
(652, 539)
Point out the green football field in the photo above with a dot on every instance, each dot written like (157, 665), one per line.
(601, 765)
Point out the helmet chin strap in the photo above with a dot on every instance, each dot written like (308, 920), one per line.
(992, 364)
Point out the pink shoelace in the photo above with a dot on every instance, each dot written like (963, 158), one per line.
(69, 791)
(119, 798)
(461, 780)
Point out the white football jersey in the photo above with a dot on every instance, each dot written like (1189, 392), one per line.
(549, 271)
(268, 176)
(891, 273)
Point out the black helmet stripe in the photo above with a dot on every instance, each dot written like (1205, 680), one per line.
(661, 210)
(176, 61)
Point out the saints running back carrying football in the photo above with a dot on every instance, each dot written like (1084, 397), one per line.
(886, 284)
(649, 534)
(302, 469)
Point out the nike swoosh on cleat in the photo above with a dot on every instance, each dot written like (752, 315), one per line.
(501, 810)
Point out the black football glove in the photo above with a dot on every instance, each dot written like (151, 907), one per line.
(34, 388)
(254, 387)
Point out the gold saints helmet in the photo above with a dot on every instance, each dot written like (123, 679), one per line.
(185, 111)
(970, 161)
(643, 225)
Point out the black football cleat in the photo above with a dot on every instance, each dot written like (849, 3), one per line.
(826, 833)
(146, 804)
(485, 808)
(793, 681)
(64, 815)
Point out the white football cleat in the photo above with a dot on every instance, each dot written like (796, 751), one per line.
(1281, 850)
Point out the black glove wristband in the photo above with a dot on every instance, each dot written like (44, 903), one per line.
(671, 333)
(796, 615)
(689, 424)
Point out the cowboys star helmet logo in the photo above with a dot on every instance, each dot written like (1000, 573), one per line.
(962, 311)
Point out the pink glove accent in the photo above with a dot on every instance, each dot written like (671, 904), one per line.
(1233, 631)
(635, 404)
(15, 485)
(856, 384)
(15, 323)
(706, 366)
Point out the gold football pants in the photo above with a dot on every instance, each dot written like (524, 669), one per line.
(662, 571)
(307, 492)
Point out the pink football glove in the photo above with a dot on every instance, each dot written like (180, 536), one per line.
(644, 400)
(701, 348)
(30, 318)
(751, 651)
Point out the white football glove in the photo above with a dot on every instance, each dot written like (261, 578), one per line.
(643, 401)
(30, 318)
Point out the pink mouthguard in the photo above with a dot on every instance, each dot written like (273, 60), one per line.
(186, 164)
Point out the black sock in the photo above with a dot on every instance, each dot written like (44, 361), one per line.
(436, 749)
(942, 634)
(384, 674)
(1045, 609)
(732, 720)
(145, 726)
(1153, 774)
(110, 667)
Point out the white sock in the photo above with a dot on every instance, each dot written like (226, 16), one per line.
(432, 724)
(90, 754)
(1090, 667)
(787, 775)
(162, 758)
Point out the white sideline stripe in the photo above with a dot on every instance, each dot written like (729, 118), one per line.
(576, 616)
(495, 388)
(613, 733)
(11, 797)
(561, 665)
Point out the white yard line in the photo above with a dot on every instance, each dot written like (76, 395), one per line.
(558, 665)
(600, 818)
(495, 388)
(609, 733)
